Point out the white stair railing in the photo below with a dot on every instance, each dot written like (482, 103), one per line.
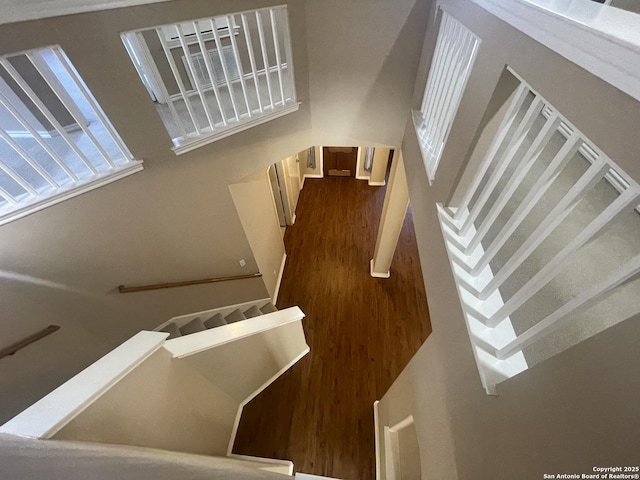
(490, 216)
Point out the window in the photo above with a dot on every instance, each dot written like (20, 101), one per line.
(56, 141)
(214, 77)
(543, 243)
(453, 58)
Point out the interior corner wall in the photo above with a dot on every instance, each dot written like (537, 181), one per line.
(173, 221)
(571, 412)
(363, 61)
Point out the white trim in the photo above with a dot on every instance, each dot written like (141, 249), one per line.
(105, 179)
(376, 274)
(377, 184)
(483, 340)
(309, 175)
(190, 145)
(601, 39)
(321, 157)
(358, 162)
(279, 280)
(236, 424)
(391, 454)
(293, 220)
(50, 414)
(376, 426)
(194, 343)
(283, 467)
(402, 424)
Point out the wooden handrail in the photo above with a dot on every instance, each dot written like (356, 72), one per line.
(11, 349)
(158, 286)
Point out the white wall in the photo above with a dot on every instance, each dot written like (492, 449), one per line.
(254, 202)
(571, 412)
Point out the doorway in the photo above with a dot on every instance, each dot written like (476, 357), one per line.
(339, 161)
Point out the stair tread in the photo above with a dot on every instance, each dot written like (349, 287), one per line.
(216, 321)
(194, 326)
(268, 308)
(173, 330)
(254, 311)
(235, 316)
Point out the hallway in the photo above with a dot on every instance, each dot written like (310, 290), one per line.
(362, 332)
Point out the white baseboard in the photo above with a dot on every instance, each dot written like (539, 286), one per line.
(376, 274)
(377, 184)
(362, 177)
(279, 281)
(293, 219)
(313, 175)
(283, 467)
(376, 426)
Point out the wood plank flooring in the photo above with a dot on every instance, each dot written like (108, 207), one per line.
(362, 332)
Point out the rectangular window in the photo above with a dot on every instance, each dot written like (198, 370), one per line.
(55, 140)
(214, 77)
(453, 58)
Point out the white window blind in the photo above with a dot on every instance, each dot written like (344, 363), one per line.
(55, 140)
(214, 77)
(451, 65)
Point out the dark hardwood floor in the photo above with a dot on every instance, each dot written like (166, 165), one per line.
(362, 332)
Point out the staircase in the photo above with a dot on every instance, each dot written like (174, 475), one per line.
(180, 388)
(193, 323)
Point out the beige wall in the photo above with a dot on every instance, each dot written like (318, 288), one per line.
(380, 164)
(253, 199)
(176, 219)
(292, 184)
(570, 413)
(173, 221)
(307, 171)
(162, 404)
(629, 5)
(262, 356)
(362, 63)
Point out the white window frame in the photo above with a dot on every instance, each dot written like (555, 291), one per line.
(63, 161)
(199, 113)
(453, 58)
